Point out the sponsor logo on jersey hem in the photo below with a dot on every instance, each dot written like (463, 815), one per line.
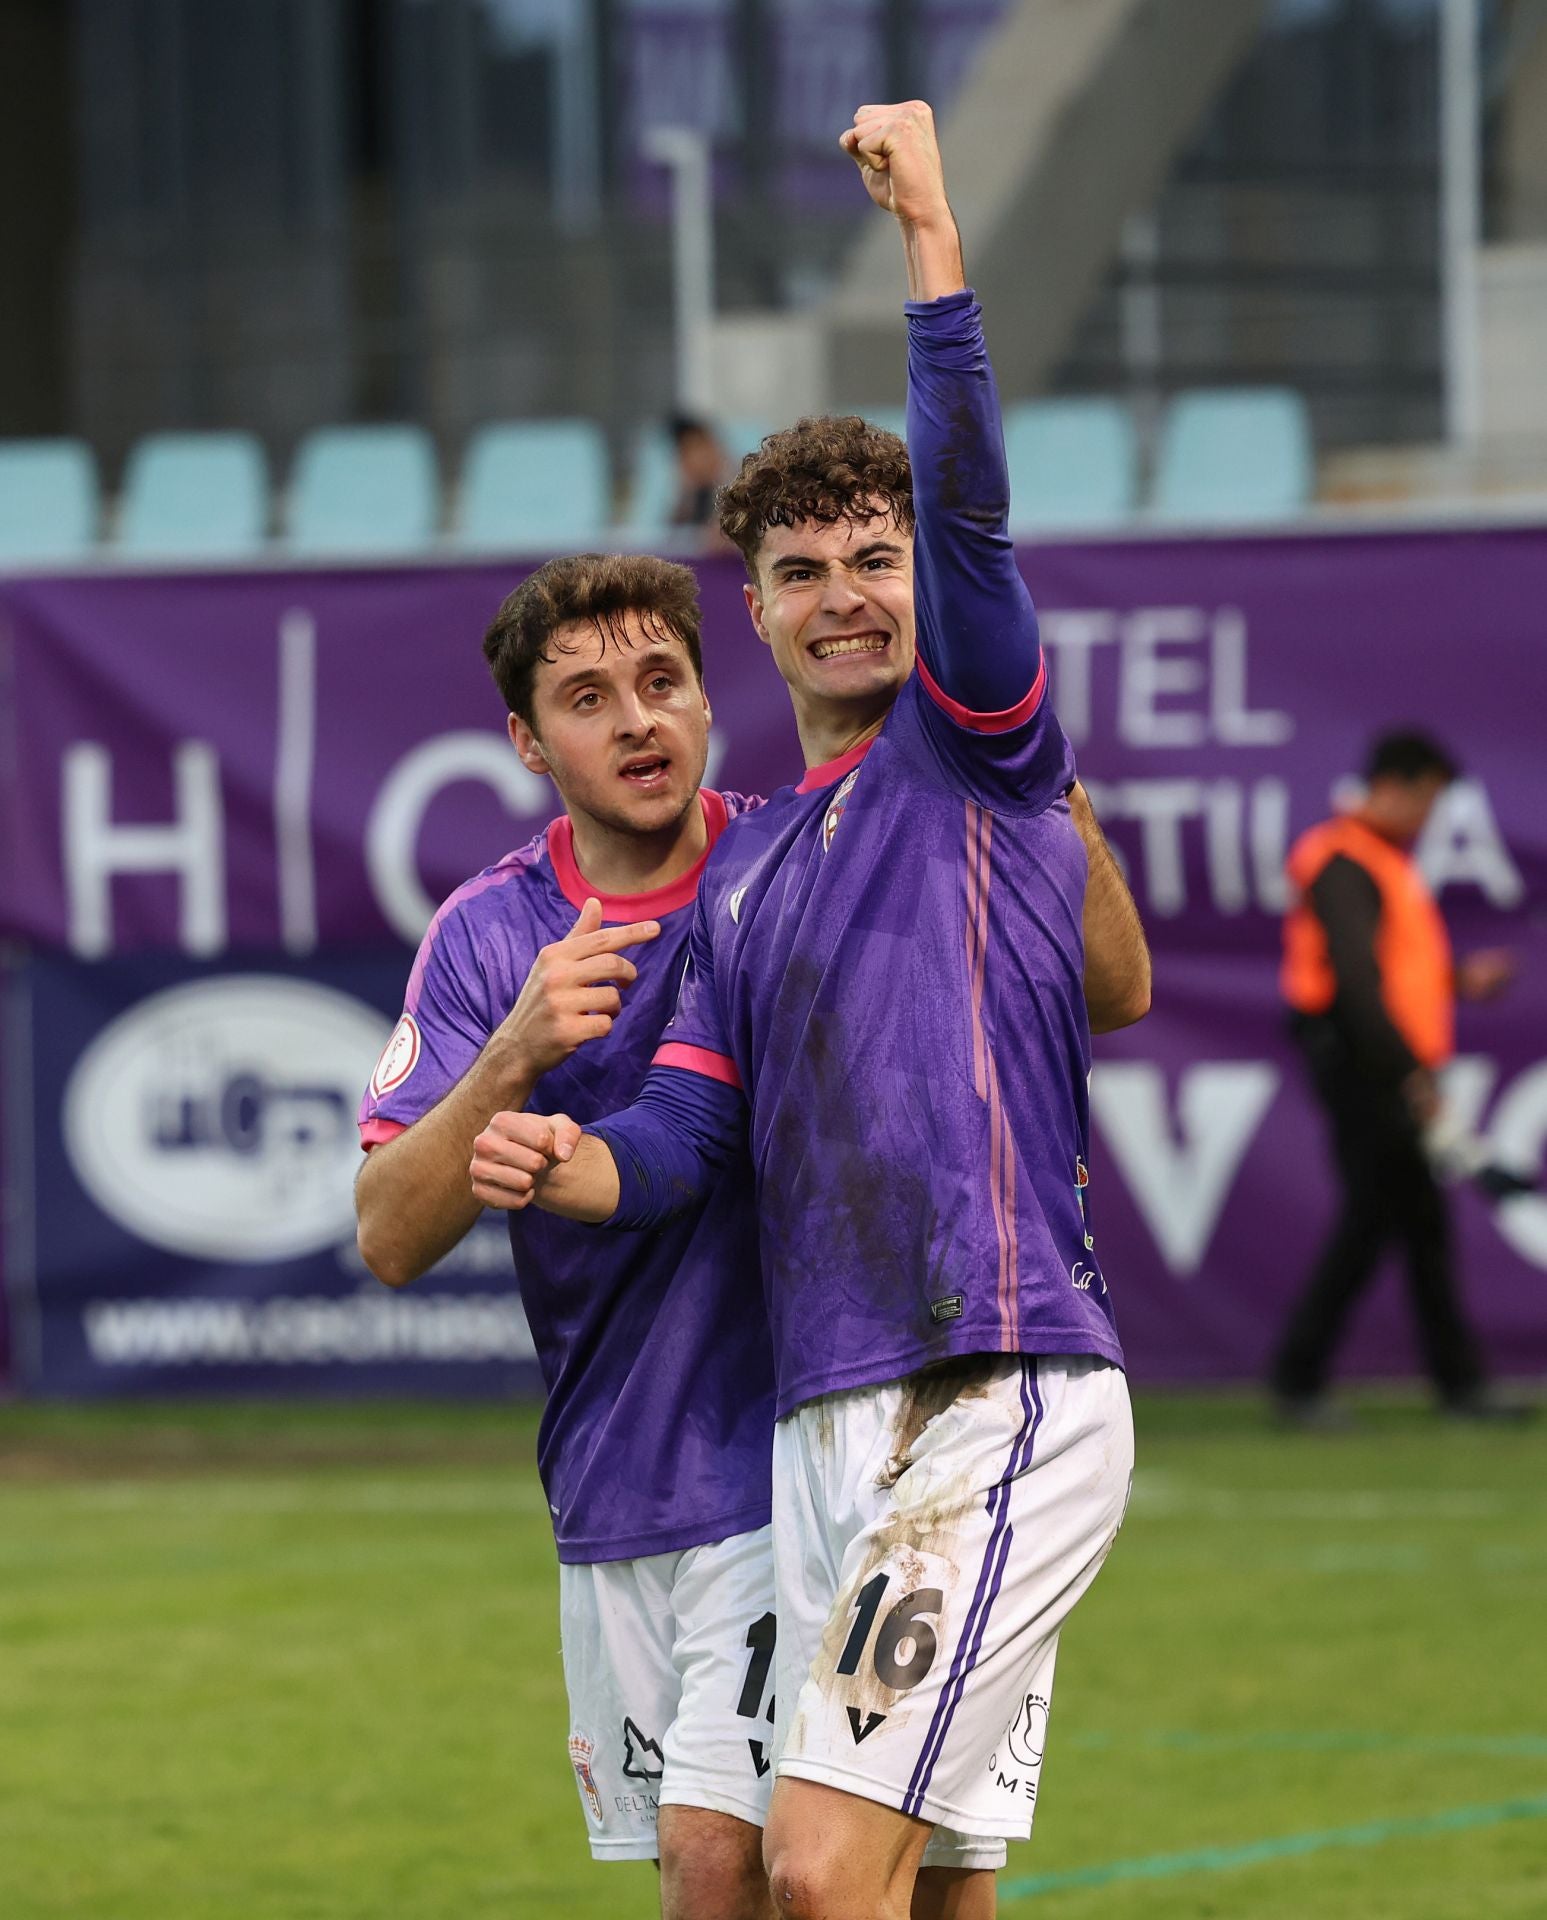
(950, 1307)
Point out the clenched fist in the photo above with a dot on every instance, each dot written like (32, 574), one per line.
(899, 158)
(515, 1152)
(574, 991)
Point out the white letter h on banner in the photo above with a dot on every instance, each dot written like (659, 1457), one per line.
(192, 845)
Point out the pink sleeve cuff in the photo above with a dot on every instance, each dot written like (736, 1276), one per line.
(373, 1133)
(714, 1066)
(1005, 722)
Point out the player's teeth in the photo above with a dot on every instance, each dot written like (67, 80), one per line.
(867, 645)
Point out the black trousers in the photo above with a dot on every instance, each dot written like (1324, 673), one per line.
(1390, 1197)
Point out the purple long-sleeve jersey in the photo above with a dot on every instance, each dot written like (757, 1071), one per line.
(888, 960)
(654, 1346)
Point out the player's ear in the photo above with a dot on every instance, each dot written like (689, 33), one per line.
(754, 599)
(526, 745)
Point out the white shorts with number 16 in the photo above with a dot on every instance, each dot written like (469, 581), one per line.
(930, 1538)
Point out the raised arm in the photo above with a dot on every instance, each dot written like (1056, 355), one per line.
(977, 629)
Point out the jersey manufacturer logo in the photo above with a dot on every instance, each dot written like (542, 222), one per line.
(834, 812)
(642, 1759)
(582, 1749)
(735, 905)
(399, 1057)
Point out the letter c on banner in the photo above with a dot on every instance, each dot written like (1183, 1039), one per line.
(392, 832)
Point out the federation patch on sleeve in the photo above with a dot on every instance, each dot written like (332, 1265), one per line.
(398, 1059)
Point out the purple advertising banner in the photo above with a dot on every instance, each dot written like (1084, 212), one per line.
(221, 767)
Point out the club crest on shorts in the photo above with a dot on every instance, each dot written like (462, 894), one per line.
(835, 809)
(582, 1748)
(399, 1057)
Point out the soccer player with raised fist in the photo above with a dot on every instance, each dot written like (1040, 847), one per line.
(886, 998)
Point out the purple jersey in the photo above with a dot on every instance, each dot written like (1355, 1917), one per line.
(654, 1346)
(889, 956)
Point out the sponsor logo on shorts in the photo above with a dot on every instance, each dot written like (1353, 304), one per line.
(398, 1059)
(1028, 1737)
(582, 1750)
(642, 1759)
(1017, 1769)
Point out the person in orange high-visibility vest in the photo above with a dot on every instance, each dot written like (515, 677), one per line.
(1371, 985)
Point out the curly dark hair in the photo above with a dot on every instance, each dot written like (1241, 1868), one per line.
(830, 467)
(595, 590)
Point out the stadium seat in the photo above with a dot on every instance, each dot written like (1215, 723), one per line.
(50, 501)
(1235, 454)
(535, 485)
(195, 494)
(1073, 463)
(364, 490)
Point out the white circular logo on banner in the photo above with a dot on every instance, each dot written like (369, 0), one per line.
(218, 1119)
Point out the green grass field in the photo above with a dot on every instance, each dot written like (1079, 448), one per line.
(299, 1662)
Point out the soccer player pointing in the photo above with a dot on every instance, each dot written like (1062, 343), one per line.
(884, 996)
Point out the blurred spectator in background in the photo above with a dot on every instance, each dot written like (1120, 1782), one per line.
(703, 467)
(1371, 985)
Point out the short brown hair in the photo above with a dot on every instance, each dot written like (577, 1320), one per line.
(591, 589)
(831, 467)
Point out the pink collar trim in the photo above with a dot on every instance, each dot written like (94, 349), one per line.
(623, 907)
(832, 770)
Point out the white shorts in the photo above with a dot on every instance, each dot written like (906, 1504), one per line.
(930, 1538)
(669, 1665)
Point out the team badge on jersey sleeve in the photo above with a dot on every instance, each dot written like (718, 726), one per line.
(398, 1059)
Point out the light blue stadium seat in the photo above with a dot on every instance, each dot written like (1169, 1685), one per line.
(652, 482)
(743, 432)
(1073, 463)
(195, 495)
(1235, 454)
(50, 501)
(536, 486)
(364, 490)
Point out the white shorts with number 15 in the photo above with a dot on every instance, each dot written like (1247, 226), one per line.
(669, 1664)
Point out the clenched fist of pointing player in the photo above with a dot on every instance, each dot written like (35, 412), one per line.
(515, 1152)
